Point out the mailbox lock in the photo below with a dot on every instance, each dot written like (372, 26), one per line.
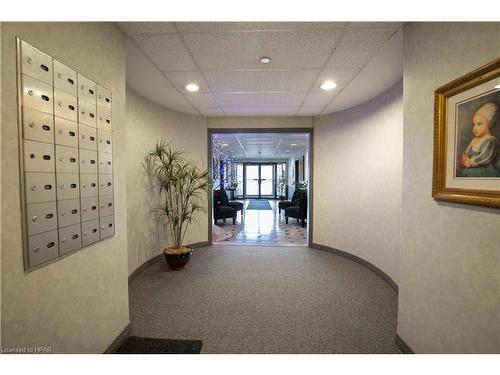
(36, 249)
(84, 209)
(102, 226)
(83, 136)
(61, 186)
(83, 161)
(32, 124)
(61, 158)
(60, 131)
(84, 185)
(102, 205)
(28, 59)
(35, 218)
(64, 240)
(33, 188)
(30, 92)
(62, 213)
(59, 75)
(83, 111)
(59, 103)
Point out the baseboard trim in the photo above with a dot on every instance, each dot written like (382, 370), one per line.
(159, 257)
(143, 266)
(197, 245)
(119, 340)
(403, 346)
(358, 260)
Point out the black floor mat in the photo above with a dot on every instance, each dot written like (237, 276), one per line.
(148, 345)
(259, 205)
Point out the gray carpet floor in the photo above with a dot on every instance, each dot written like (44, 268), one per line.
(266, 300)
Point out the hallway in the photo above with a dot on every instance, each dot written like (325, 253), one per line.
(266, 227)
(253, 300)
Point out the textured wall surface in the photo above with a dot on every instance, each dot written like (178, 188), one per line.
(357, 180)
(260, 122)
(449, 290)
(146, 123)
(78, 304)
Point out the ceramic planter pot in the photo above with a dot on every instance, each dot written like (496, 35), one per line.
(177, 260)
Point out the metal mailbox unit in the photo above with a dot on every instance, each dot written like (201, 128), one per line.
(66, 158)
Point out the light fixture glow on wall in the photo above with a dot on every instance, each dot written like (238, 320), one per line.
(293, 144)
(265, 60)
(328, 85)
(497, 86)
(193, 87)
(225, 144)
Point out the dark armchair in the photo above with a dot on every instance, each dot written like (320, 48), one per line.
(285, 204)
(299, 211)
(221, 211)
(224, 201)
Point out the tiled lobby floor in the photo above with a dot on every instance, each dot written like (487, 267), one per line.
(264, 227)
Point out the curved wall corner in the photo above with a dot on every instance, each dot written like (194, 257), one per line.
(146, 123)
(357, 173)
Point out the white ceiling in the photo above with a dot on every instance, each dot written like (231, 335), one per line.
(264, 145)
(364, 59)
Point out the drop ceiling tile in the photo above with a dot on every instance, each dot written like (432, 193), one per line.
(319, 99)
(358, 46)
(211, 111)
(260, 80)
(181, 79)
(166, 51)
(138, 28)
(295, 49)
(260, 99)
(259, 111)
(201, 100)
(309, 111)
(149, 82)
(260, 26)
(341, 77)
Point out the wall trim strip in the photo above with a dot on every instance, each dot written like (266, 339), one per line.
(359, 260)
(403, 346)
(119, 340)
(158, 258)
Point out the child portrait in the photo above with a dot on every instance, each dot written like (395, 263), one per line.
(478, 137)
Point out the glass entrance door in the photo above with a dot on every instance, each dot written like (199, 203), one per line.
(267, 180)
(259, 180)
(252, 180)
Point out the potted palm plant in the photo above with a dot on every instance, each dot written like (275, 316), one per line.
(183, 189)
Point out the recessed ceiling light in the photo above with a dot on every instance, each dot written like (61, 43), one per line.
(328, 85)
(497, 86)
(293, 144)
(265, 60)
(193, 87)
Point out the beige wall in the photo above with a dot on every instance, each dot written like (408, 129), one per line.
(79, 303)
(260, 122)
(449, 290)
(357, 180)
(146, 123)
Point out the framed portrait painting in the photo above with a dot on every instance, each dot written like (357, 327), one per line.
(467, 138)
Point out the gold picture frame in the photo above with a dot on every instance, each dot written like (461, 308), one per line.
(467, 138)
